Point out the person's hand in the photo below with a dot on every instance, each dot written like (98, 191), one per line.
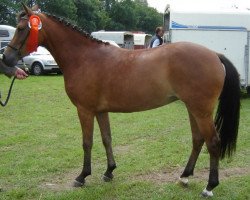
(20, 74)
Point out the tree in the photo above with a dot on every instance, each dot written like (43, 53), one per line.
(30, 3)
(148, 18)
(107, 4)
(143, 2)
(91, 15)
(63, 8)
(8, 10)
(123, 15)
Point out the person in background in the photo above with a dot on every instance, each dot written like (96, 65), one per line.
(12, 71)
(157, 38)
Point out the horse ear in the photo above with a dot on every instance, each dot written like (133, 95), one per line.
(27, 10)
(35, 8)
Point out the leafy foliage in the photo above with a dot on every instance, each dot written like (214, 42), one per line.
(65, 8)
(92, 15)
(124, 15)
(7, 11)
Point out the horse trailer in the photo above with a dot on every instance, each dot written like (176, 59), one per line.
(6, 34)
(141, 40)
(124, 39)
(226, 32)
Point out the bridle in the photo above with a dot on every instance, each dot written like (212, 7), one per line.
(18, 50)
(34, 25)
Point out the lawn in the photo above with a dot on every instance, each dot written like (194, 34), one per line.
(41, 154)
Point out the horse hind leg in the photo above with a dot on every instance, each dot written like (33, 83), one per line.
(103, 121)
(198, 142)
(208, 131)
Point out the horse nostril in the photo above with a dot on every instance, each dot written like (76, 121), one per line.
(5, 61)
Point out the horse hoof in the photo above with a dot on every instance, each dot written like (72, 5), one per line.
(78, 184)
(106, 178)
(183, 181)
(206, 193)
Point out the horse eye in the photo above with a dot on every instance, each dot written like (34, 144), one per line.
(20, 29)
(22, 15)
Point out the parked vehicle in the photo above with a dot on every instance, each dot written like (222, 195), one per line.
(39, 62)
(124, 39)
(224, 31)
(112, 43)
(6, 34)
(141, 40)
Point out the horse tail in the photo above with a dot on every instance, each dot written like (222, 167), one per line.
(228, 112)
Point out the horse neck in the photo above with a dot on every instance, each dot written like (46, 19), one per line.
(65, 43)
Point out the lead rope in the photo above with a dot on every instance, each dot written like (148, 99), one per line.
(8, 97)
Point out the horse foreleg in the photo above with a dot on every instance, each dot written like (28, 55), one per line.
(198, 142)
(87, 124)
(103, 121)
(212, 140)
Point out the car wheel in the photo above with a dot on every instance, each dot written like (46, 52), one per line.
(37, 69)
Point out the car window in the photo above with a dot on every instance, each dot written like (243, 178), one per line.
(41, 51)
(4, 33)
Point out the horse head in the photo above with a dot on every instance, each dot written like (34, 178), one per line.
(26, 38)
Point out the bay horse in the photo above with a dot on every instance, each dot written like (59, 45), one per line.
(100, 78)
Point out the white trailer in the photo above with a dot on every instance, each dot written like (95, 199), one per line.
(124, 39)
(6, 35)
(226, 32)
(141, 40)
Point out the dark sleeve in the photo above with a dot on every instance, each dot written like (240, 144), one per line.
(8, 71)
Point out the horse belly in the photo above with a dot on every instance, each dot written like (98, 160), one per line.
(133, 100)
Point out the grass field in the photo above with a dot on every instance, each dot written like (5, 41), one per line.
(41, 154)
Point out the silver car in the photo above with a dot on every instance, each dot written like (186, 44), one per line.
(39, 62)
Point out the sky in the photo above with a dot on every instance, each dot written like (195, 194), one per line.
(160, 5)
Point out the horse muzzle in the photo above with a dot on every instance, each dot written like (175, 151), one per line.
(10, 60)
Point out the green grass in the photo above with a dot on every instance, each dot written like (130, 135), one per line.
(41, 154)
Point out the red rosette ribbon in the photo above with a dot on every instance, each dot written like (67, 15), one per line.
(35, 25)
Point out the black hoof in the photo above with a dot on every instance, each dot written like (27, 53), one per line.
(78, 184)
(107, 178)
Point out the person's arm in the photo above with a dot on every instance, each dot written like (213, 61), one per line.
(12, 71)
(156, 43)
